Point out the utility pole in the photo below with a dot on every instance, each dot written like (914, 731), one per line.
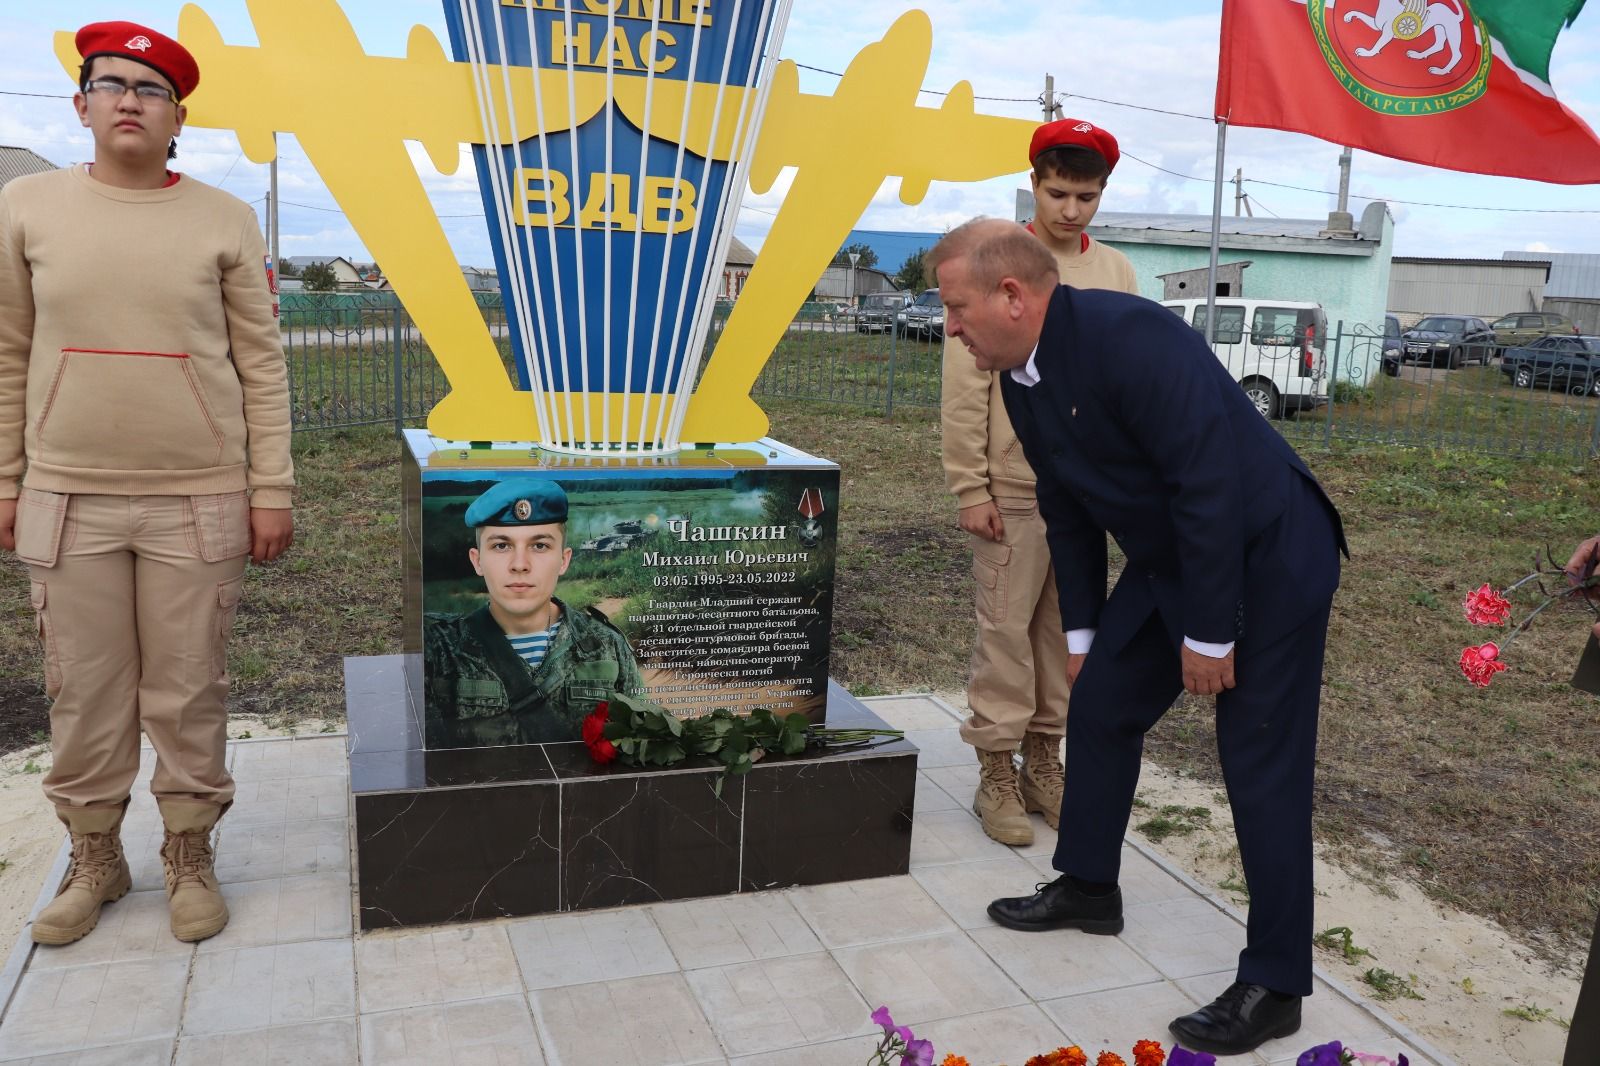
(1344, 181)
(1238, 190)
(1052, 109)
(272, 210)
(1341, 223)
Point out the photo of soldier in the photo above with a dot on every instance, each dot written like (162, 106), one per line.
(523, 668)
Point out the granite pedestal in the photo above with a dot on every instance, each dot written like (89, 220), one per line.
(458, 835)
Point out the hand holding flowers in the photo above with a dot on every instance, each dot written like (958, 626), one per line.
(1484, 606)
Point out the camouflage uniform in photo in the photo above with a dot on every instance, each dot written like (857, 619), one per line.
(481, 692)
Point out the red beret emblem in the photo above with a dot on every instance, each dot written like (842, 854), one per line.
(142, 45)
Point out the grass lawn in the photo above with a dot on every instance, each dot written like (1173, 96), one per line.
(1489, 798)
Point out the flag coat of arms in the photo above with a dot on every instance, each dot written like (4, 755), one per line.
(1458, 84)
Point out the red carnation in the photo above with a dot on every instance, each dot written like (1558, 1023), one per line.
(1486, 607)
(603, 751)
(1480, 664)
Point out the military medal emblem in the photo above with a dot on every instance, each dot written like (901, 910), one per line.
(522, 509)
(1406, 58)
(811, 510)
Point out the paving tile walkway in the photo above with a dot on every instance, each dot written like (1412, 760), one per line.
(767, 979)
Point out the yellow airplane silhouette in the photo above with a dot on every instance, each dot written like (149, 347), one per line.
(842, 146)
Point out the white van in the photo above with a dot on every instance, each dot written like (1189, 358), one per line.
(1273, 348)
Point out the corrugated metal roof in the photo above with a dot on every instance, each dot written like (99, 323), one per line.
(1573, 275)
(1503, 261)
(1257, 227)
(19, 162)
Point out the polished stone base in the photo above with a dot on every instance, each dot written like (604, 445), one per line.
(465, 834)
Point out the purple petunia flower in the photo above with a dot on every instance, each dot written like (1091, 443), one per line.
(881, 1017)
(1182, 1056)
(917, 1053)
(1329, 1054)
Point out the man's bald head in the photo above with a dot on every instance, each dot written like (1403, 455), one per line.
(993, 249)
(996, 282)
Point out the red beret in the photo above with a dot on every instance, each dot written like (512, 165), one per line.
(1077, 133)
(141, 44)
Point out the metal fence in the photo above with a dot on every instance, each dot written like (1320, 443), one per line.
(359, 360)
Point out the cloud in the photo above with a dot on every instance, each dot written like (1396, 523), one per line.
(1160, 55)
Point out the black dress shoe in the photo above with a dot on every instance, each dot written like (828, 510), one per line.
(1060, 905)
(1240, 1020)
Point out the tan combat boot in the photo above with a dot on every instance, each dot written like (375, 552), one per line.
(998, 803)
(193, 897)
(1043, 776)
(98, 875)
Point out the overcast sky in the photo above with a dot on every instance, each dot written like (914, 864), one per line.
(1156, 54)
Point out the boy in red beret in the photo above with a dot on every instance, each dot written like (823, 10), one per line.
(1018, 692)
(144, 453)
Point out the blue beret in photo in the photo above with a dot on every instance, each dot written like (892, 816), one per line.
(521, 502)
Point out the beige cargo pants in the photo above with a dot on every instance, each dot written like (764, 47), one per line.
(135, 596)
(1019, 665)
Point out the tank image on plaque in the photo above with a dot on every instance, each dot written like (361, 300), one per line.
(700, 581)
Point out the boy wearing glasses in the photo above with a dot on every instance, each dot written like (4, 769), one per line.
(144, 453)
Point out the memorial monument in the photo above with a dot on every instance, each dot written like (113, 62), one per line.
(613, 140)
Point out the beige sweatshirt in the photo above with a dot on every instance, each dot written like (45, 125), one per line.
(139, 348)
(982, 458)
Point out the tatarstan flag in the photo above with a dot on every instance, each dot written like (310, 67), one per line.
(1458, 84)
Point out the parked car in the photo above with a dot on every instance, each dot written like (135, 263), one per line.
(878, 311)
(1277, 359)
(1571, 364)
(1448, 340)
(1392, 346)
(1525, 326)
(924, 316)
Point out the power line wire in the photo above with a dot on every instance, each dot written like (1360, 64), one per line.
(1427, 203)
(340, 211)
(1136, 107)
(1187, 177)
(930, 92)
(1039, 100)
(1385, 199)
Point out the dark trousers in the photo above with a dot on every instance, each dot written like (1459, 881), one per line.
(1583, 1039)
(1266, 740)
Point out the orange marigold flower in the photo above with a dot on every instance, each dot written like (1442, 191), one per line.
(1070, 1056)
(1148, 1053)
(1041, 1060)
(954, 1060)
(1109, 1058)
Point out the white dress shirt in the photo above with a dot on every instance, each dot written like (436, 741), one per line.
(1079, 640)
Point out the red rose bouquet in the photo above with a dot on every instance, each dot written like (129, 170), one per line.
(636, 732)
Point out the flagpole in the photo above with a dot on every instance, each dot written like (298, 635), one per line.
(1216, 234)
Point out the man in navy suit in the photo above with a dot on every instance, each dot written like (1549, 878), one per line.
(1136, 430)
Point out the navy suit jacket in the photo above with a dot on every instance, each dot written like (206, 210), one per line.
(1136, 429)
